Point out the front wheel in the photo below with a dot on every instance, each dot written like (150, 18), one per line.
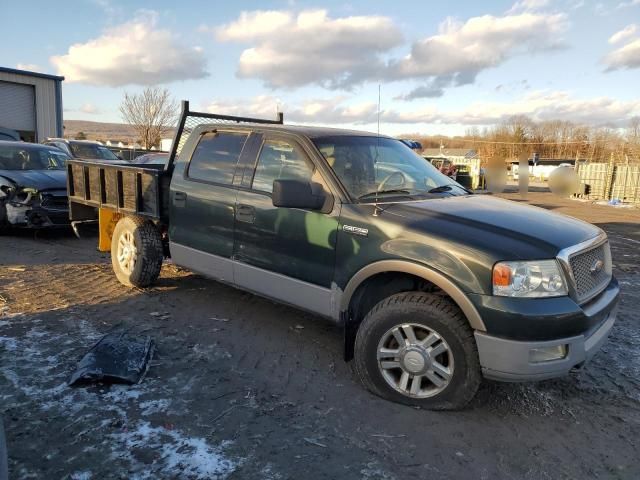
(136, 252)
(418, 349)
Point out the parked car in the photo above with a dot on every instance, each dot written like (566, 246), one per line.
(8, 134)
(412, 144)
(151, 159)
(33, 186)
(434, 287)
(446, 167)
(86, 149)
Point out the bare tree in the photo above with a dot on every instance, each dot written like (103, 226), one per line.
(633, 131)
(550, 139)
(152, 113)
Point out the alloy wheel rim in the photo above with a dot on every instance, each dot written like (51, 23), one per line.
(415, 360)
(127, 252)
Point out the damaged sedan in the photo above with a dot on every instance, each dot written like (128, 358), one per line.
(33, 186)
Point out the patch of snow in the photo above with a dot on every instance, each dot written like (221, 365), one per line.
(267, 473)
(154, 406)
(373, 470)
(81, 476)
(10, 344)
(615, 205)
(37, 365)
(123, 393)
(36, 334)
(181, 456)
(209, 352)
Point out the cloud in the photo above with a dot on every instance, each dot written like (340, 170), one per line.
(460, 51)
(628, 55)
(31, 67)
(331, 110)
(528, 6)
(624, 34)
(133, 53)
(292, 50)
(630, 3)
(539, 105)
(108, 8)
(311, 47)
(254, 25)
(432, 89)
(90, 109)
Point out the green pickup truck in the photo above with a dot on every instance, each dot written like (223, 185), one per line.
(434, 286)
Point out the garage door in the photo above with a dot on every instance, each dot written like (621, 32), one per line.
(17, 106)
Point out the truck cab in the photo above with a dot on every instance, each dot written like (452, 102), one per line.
(434, 286)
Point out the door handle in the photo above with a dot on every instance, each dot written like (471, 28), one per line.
(246, 213)
(179, 199)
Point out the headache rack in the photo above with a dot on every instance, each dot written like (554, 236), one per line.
(190, 120)
(136, 190)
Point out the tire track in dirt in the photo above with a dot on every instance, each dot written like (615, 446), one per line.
(42, 289)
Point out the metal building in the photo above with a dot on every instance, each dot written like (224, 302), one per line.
(31, 104)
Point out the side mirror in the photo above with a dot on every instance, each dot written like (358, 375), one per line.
(298, 194)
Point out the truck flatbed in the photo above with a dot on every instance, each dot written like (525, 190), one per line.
(122, 188)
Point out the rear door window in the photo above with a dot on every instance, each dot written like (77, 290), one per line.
(280, 160)
(216, 156)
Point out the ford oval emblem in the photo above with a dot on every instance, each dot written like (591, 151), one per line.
(597, 267)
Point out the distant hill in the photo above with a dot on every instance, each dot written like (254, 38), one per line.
(102, 131)
(99, 130)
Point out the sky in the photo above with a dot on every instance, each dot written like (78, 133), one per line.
(438, 67)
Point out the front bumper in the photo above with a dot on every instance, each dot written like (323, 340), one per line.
(36, 216)
(508, 359)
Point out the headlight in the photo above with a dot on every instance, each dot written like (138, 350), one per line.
(6, 187)
(540, 278)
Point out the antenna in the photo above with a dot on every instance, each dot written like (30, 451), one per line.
(375, 161)
(378, 110)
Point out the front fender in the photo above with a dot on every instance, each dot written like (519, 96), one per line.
(428, 274)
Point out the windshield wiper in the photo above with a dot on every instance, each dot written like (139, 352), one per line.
(441, 188)
(448, 188)
(382, 192)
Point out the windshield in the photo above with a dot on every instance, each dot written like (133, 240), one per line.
(372, 167)
(154, 158)
(20, 158)
(92, 151)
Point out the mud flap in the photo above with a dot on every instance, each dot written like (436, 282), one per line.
(118, 357)
(350, 332)
(107, 223)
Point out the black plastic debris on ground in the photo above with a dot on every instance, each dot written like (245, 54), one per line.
(118, 357)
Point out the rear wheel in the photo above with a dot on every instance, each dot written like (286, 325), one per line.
(418, 349)
(136, 252)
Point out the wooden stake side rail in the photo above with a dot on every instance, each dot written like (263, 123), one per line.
(122, 188)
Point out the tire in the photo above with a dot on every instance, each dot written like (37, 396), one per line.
(4, 224)
(455, 372)
(144, 268)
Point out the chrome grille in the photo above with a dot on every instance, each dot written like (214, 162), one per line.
(588, 280)
(55, 202)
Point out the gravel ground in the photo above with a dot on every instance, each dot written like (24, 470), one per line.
(240, 387)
